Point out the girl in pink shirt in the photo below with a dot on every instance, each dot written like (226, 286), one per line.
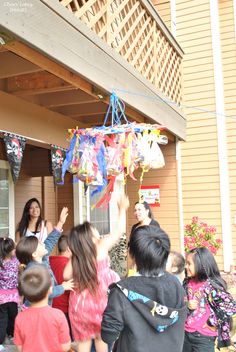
(210, 306)
(9, 296)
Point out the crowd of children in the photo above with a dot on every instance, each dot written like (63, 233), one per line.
(169, 304)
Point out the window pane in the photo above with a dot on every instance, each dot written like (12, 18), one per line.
(4, 232)
(4, 218)
(4, 197)
(99, 217)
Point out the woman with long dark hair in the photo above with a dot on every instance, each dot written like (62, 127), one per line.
(31, 223)
(89, 268)
(144, 216)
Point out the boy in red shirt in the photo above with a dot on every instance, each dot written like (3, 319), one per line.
(40, 327)
(58, 263)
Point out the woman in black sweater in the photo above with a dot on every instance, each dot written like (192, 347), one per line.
(143, 213)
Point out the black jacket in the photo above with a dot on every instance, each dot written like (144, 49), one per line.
(146, 314)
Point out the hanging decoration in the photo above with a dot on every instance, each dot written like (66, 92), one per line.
(57, 157)
(15, 146)
(98, 155)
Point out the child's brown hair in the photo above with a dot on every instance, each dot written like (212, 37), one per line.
(34, 283)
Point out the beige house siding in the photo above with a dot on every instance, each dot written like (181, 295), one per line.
(167, 214)
(200, 171)
(163, 9)
(229, 75)
(65, 199)
(50, 207)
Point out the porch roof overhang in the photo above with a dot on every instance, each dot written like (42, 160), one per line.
(48, 28)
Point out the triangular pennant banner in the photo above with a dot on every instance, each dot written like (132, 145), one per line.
(15, 146)
(57, 157)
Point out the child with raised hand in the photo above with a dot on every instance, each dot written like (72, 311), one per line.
(176, 265)
(9, 296)
(40, 328)
(146, 312)
(58, 263)
(31, 252)
(89, 267)
(210, 305)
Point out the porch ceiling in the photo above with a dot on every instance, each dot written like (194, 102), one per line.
(65, 68)
(30, 82)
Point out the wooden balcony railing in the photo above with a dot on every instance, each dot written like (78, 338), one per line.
(139, 35)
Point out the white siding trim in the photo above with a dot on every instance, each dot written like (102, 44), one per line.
(5, 165)
(173, 16)
(88, 205)
(76, 202)
(222, 137)
(180, 194)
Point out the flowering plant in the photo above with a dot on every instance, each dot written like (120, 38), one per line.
(199, 234)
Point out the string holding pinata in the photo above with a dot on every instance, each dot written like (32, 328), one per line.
(98, 155)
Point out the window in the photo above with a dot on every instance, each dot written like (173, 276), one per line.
(104, 219)
(98, 216)
(7, 226)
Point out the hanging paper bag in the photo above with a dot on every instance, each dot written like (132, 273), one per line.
(115, 154)
(130, 155)
(157, 159)
(143, 157)
(88, 171)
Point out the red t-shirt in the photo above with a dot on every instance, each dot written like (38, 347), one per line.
(58, 263)
(41, 329)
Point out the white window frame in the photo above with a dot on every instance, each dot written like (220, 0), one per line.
(78, 204)
(5, 165)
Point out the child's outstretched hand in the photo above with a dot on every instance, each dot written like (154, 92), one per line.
(68, 285)
(123, 202)
(63, 216)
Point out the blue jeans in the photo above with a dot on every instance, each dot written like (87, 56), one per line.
(196, 342)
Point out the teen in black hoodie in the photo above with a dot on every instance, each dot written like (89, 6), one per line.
(146, 312)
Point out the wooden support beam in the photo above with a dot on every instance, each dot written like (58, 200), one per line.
(50, 66)
(74, 79)
(82, 109)
(13, 65)
(70, 97)
(39, 82)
